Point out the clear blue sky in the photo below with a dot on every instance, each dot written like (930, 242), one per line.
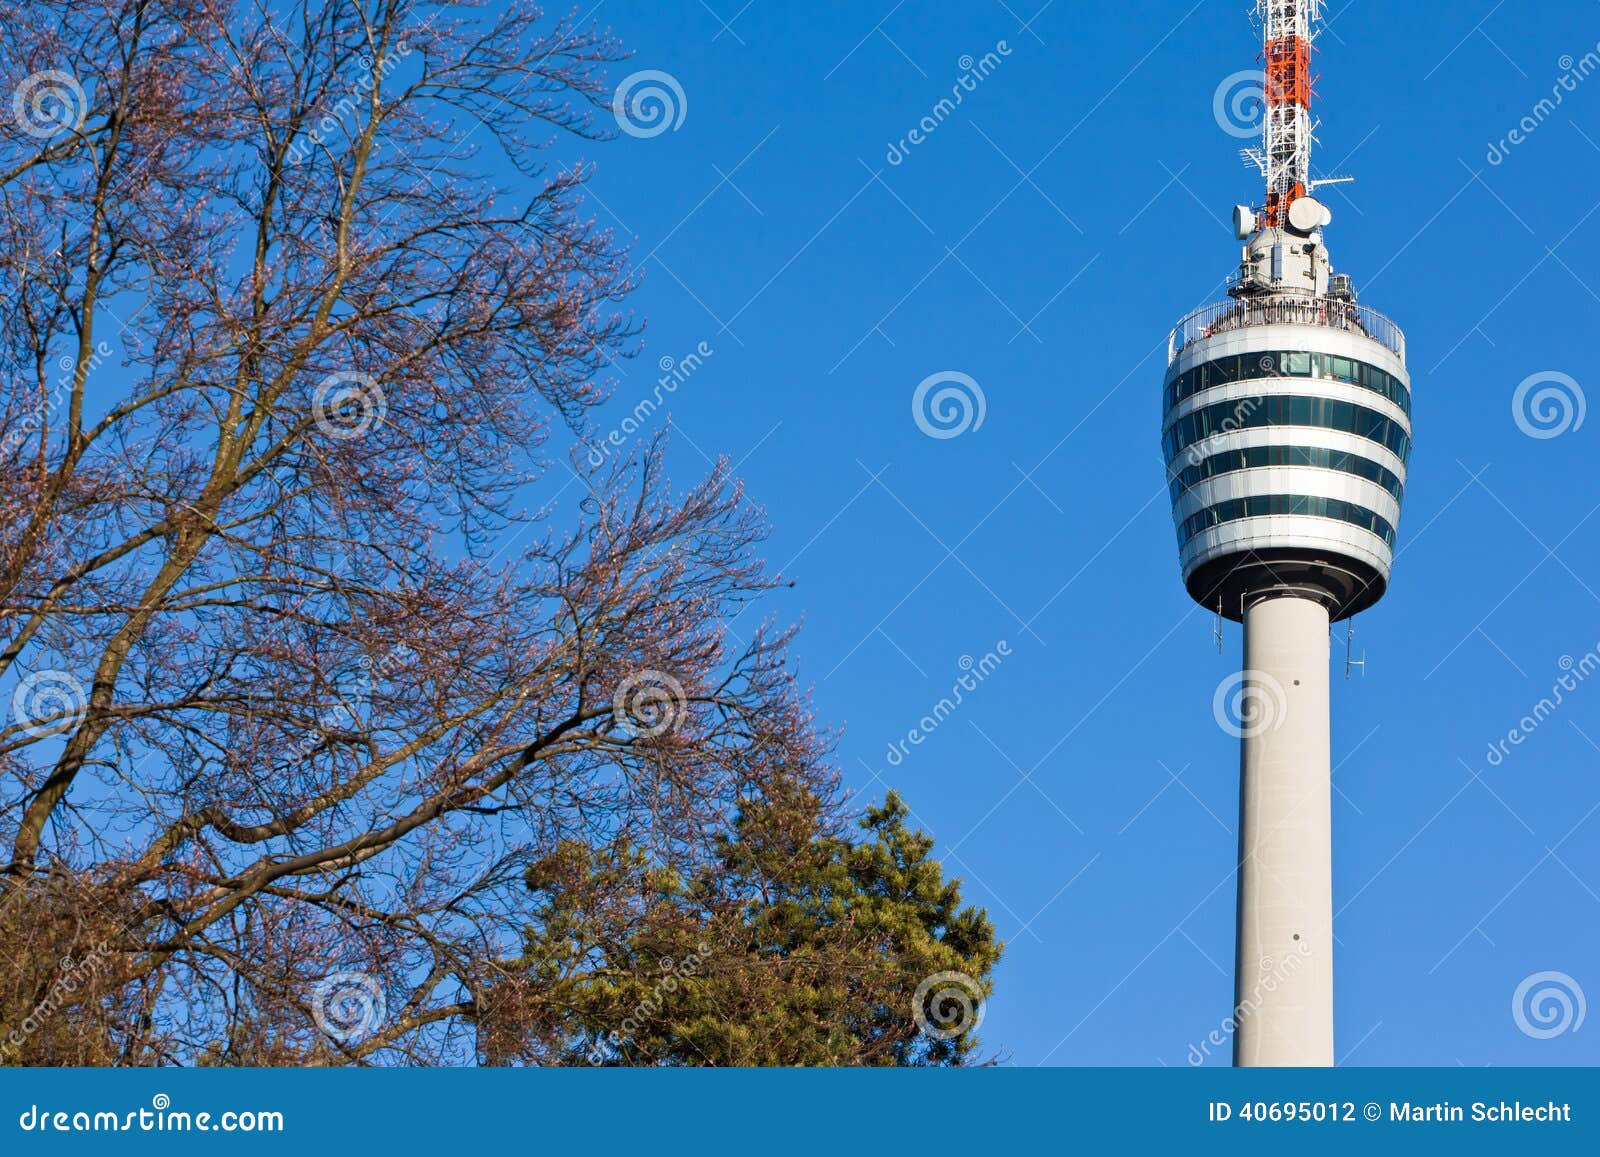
(1043, 240)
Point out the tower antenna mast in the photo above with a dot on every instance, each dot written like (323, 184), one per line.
(1289, 30)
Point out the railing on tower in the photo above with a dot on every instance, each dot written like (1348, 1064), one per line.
(1319, 311)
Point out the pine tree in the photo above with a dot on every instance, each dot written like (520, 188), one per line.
(794, 945)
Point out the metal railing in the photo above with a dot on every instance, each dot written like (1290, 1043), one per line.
(1320, 311)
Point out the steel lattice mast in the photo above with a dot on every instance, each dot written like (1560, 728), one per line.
(1289, 29)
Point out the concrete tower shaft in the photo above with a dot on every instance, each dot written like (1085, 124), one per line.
(1283, 975)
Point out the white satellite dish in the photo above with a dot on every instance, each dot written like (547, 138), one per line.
(1244, 222)
(1307, 215)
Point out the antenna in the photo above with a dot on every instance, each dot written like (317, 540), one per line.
(1289, 28)
(1350, 662)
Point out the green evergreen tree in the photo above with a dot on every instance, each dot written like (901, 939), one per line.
(794, 945)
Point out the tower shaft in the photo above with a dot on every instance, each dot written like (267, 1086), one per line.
(1283, 998)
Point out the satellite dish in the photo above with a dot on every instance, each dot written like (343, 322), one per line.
(1307, 215)
(1244, 222)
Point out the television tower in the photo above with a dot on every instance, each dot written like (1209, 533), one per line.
(1286, 432)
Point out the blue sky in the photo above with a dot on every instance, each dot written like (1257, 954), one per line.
(1043, 240)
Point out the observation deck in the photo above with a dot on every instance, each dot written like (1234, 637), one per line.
(1286, 430)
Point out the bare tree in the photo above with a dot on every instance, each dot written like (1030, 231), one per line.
(298, 688)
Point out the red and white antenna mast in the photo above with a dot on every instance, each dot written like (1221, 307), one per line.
(1289, 29)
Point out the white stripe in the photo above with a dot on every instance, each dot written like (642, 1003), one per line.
(1287, 532)
(1310, 481)
(1312, 436)
(1260, 339)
